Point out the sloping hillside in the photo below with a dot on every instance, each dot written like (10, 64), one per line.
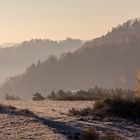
(110, 61)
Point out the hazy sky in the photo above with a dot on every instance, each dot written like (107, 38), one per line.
(57, 19)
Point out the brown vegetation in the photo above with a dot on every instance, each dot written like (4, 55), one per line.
(91, 133)
(92, 94)
(117, 106)
(38, 97)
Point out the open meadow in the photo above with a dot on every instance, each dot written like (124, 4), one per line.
(54, 122)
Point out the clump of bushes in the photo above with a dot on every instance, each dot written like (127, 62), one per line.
(117, 106)
(90, 134)
(121, 107)
(38, 97)
(92, 94)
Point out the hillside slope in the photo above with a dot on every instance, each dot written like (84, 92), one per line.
(110, 61)
(14, 59)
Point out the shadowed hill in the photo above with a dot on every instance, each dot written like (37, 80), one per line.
(109, 61)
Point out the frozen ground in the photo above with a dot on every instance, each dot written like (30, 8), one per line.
(56, 124)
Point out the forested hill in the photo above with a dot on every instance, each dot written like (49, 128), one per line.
(109, 61)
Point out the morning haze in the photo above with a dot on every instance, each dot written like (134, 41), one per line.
(57, 19)
(69, 69)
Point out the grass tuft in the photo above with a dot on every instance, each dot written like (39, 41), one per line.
(91, 133)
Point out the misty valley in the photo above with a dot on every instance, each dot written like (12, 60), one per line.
(72, 89)
(110, 61)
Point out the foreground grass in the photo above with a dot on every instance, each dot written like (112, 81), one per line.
(92, 134)
(87, 134)
(15, 111)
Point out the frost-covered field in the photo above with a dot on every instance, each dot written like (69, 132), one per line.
(24, 128)
(57, 124)
(56, 109)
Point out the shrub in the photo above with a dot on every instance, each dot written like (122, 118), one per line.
(90, 134)
(117, 106)
(38, 97)
(127, 108)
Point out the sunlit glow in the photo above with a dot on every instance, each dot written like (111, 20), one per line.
(58, 19)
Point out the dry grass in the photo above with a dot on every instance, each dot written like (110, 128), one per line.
(92, 134)
(121, 107)
(125, 108)
(13, 110)
(7, 107)
(26, 112)
(28, 127)
(80, 112)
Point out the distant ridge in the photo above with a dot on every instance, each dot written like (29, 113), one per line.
(14, 58)
(110, 61)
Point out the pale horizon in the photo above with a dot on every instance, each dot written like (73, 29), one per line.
(81, 19)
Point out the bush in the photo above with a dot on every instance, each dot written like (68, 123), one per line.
(126, 108)
(117, 106)
(90, 134)
(38, 97)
